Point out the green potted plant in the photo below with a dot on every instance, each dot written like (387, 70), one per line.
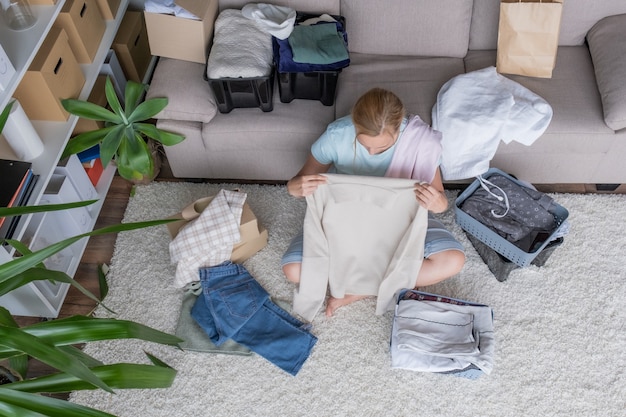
(127, 137)
(53, 342)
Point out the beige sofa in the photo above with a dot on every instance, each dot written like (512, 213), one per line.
(413, 47)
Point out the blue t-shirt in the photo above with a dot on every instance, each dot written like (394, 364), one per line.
(338, 146)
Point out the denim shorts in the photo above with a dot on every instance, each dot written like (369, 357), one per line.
(233, 305)
(438, 239)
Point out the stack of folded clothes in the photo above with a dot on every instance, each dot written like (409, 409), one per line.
(432, 333)
(317, 43)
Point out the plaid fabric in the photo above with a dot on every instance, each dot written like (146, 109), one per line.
(208, 240)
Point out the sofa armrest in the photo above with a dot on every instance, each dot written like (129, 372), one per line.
(608, 52)
(188, 93)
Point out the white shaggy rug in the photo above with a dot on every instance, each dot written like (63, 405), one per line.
(560, 329)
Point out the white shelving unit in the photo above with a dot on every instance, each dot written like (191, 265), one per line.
(44, 299)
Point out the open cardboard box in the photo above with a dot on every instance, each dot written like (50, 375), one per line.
(253, 234)
(181, 38)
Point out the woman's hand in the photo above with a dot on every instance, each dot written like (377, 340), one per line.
(304, 185)
(429, 197)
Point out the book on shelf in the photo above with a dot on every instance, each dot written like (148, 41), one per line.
(89, 155)
(95, 172)
(16, 188)
(14, 176)
(7, 229)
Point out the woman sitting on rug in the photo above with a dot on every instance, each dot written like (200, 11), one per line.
(380, 139)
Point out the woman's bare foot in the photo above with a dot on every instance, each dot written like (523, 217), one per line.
(334, 303)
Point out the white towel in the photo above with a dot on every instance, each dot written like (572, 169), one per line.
(276, 20)
(241, 48)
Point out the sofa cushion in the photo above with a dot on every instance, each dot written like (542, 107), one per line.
(189, 96)
(408, 27)
(608, 51)
(415, 80)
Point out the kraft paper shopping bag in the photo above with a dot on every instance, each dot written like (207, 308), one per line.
(528, 37)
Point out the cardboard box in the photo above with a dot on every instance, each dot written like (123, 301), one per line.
(53, 75)
(84, 25)
(131, 46)
(97, 96)
(108, 8)
(180, 38)
(253, 235)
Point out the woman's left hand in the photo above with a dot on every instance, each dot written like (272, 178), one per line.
(430, 197)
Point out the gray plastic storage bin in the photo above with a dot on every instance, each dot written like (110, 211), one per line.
(492, 239)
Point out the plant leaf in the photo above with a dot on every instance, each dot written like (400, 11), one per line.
(5, 114)
(148, 109)
(77, 353)
(117, 376)
(44, 274)
(166, 138)
(24, 404)
(103, 285)
(85, 141)
(111, 143)
(135, 159)
(132, 95)
(82, 329)
(114, 101)
(18, 211)
(36, 347)
(91, 111)
(16, 266)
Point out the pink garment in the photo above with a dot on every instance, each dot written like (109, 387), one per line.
(417, 152)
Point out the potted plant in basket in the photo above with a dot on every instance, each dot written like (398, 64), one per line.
(127, 137)
(53, 342)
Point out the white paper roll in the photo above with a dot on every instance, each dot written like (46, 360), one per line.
(21, 135)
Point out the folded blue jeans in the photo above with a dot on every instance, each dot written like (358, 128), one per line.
(233, 305)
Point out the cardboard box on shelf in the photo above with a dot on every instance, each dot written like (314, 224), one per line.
(108, 8)
(131, 46)
(53, 75)
(180, 38)
(97, 96)
(84, 25)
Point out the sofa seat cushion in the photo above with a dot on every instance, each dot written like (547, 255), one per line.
(416, 80)
(248, 143)
(577, 120)
(182, 82)
(607, 44)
